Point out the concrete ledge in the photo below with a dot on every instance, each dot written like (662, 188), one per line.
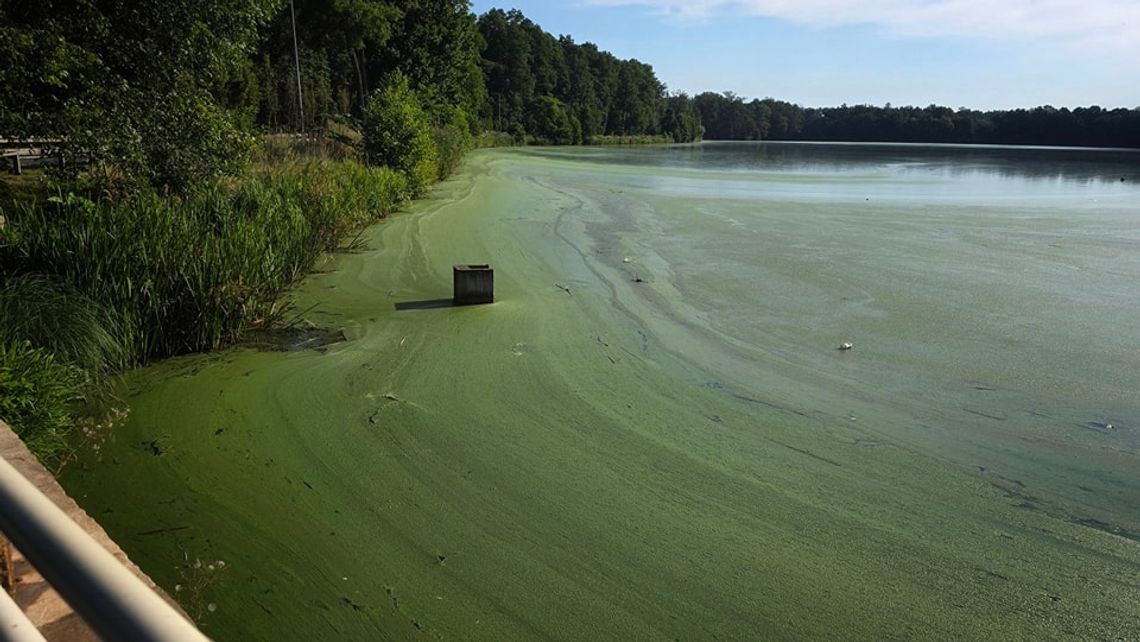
(43, 606)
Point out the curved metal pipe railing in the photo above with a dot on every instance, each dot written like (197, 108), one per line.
(113, 601)
(14, 624)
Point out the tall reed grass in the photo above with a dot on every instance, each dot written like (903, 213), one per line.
(495, 139)
(636, 139)
(35, 393)
(194, 273)
(53, 316)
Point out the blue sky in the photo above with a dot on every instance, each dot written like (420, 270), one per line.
(983, 54)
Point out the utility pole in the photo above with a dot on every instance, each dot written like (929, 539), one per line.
(297, 58)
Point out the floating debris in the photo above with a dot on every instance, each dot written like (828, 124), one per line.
(297, 337)
(1101, 425)
(154, 447)
(846, 345)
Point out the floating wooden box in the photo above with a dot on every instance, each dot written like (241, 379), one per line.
(474, 284)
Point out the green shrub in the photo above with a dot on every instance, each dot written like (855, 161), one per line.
(550, 123)
(397, 134)
(452, 137)
(336, 198)
(637, 139)
(494, 139)
(53, 316)
(333, 144)
(35, 391)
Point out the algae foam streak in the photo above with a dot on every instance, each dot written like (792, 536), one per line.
(652, 433)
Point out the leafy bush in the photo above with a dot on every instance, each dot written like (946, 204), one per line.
(35, 391)
(336, 198)
(494, 139)
(453, 138)
(397, 133)
(190, 140)
(640, 139)
(551, 123)
(128, 86)
(333, 144)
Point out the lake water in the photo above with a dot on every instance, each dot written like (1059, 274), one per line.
(652, 433)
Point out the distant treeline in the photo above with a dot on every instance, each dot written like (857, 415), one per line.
(502, 70)
(507, 74)
(563, 92)
(729, 117)
(496, 72)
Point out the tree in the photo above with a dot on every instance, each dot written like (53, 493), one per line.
(551, 123)
(682, 121)
(506, 63)
(436, 44)
(103, 79)
(397, 133)
(637, 106)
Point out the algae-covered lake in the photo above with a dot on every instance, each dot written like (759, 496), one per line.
(652, 435)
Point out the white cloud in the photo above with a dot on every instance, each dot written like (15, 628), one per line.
(1103, 26)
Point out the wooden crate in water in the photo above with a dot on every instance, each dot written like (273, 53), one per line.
(474, 283)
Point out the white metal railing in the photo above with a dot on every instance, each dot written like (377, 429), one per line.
(14, 625)
(113, 601)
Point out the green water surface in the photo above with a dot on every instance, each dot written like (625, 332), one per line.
(651, 434)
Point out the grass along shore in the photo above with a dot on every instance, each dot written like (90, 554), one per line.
(92, 285)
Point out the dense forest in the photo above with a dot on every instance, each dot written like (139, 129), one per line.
(563, 92)
(103, 77)
(502, 71)
(729, 117)
(243, 72)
